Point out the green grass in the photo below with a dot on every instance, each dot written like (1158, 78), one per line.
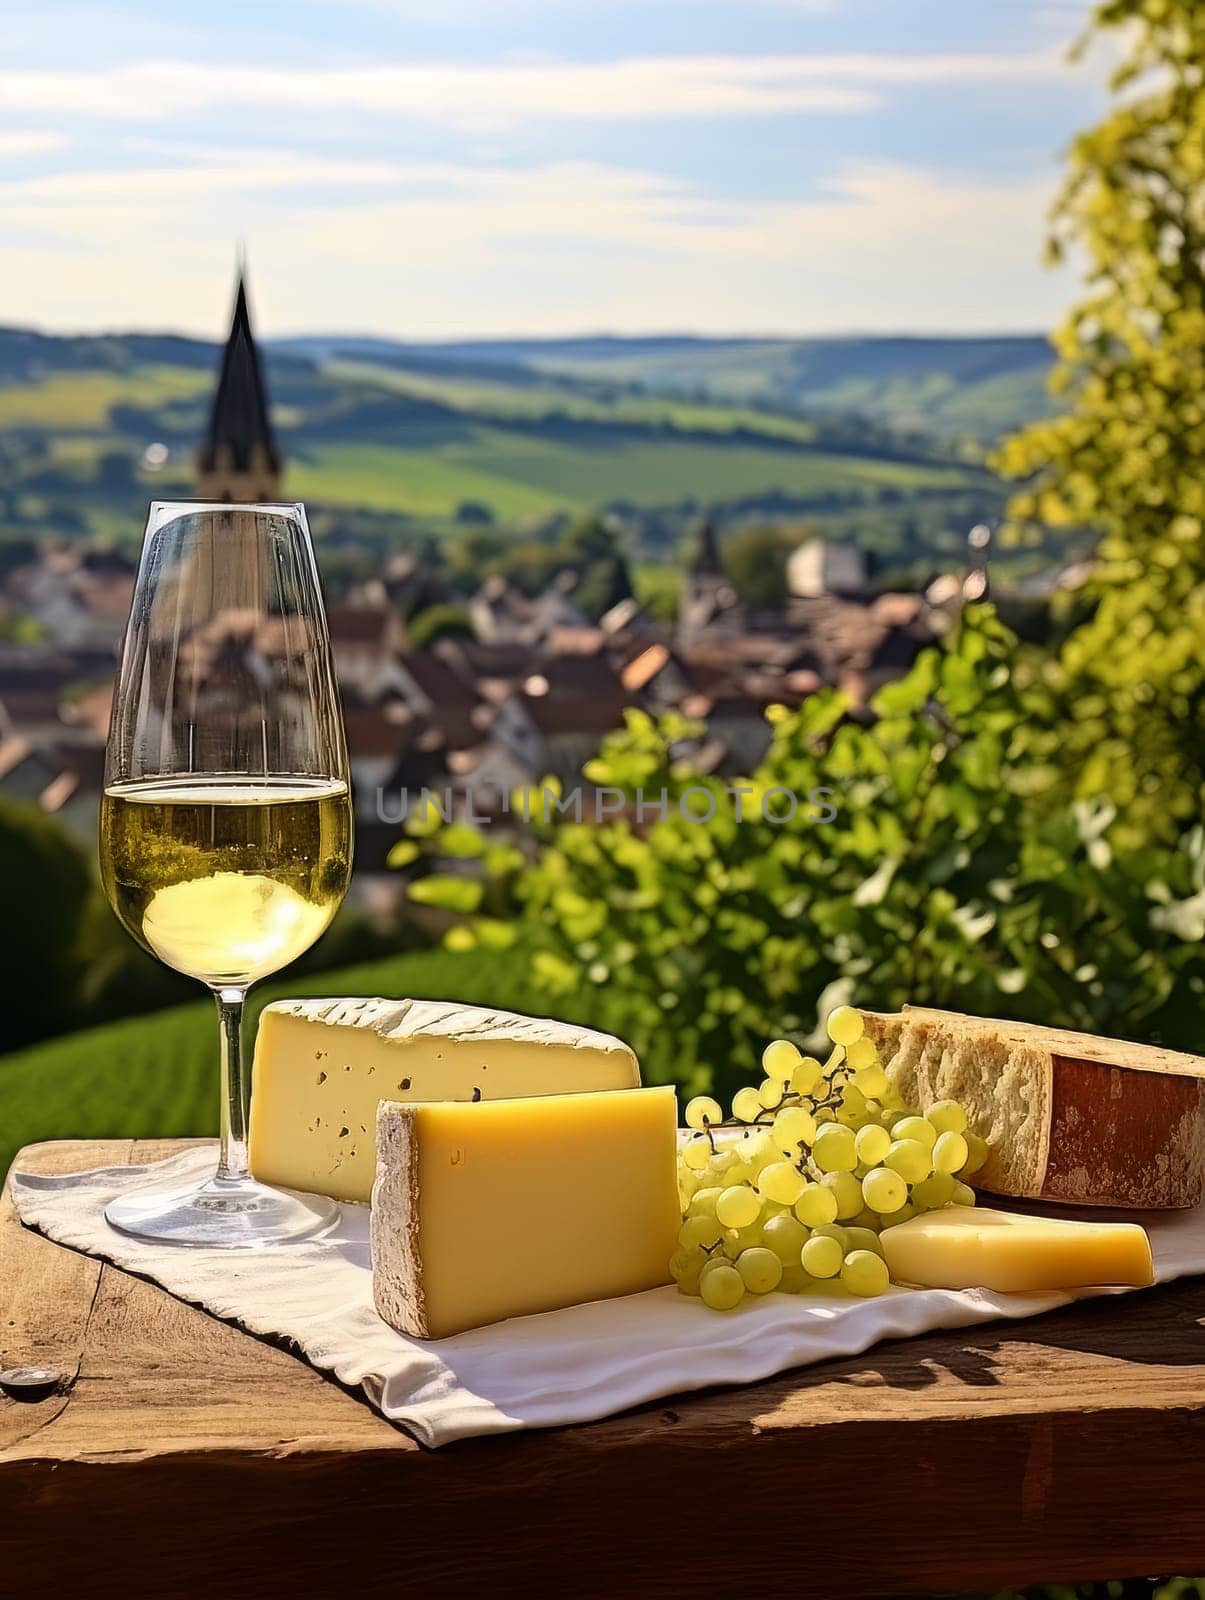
(82, 401)
(420, 483)
(156, 1075)
(524, 474)
(499, 400)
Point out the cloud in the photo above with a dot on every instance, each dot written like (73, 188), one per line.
(29, 142)
(441, 249)
(251, 171)
(633, 89)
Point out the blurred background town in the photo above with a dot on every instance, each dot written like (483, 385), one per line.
(489, 640)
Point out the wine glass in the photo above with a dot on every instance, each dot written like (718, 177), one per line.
(226, 822)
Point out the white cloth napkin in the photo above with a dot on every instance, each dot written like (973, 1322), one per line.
(532, 1372)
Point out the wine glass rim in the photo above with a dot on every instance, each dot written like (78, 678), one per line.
(293, 506)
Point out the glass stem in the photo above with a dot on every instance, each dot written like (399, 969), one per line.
(232, 1156)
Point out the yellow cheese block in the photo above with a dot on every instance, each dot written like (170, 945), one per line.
(508, 1207)
(323, 1066)
(971, 1247)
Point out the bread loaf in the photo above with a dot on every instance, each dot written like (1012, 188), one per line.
(1067, 1116)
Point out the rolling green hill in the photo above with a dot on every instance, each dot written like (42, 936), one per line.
(157, 1075)
(940, 386)
(392, 444)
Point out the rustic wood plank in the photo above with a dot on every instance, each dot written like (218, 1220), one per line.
(187, 1456)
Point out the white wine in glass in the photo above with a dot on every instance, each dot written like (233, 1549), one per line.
(226, 824)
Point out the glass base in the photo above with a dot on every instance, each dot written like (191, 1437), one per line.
(224, 1214)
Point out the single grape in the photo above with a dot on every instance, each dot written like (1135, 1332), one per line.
(866, 1218)
(770, 1094)
(683, 1261)
(779, 1060)
(722, 1288)
(910, 1159)
(793, 1126)
(746, 1107)
(821, 1256)
(844, 1025)
(861, 1053)
(872, 1080)
(851, 1113)
(780, 1182)
(872, 1143)
(703, 1112)
(834, 1150)
(806, 1075)
(950, 1153)
(737, 1207)
(947, 1116)
(760, 1269)
(816, 1205)
(738, 1239)
(696, 1154)
(936, 1191)
(977, 1153)
(702, 1203)
(756, 1149)
(697, 1231)
(865, 1273)
(794, 1279)
(847, 1192)
(884, 1191)
(685, 1267)
(963, 1195)
(863, 1239)
(914, 1127)
(785, 1236)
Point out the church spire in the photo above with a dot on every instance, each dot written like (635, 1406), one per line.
(239, 458)
(706, 563)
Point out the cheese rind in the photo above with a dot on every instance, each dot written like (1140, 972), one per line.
(972, 1247)
(509, 1207)
(323, 1066)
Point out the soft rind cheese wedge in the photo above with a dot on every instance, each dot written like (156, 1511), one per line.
(323, 1066)
(971, 1247)
(509, 1207)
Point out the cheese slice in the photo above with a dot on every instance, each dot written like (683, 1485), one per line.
(323, 1066)
(481, 1212)
(971, 1247)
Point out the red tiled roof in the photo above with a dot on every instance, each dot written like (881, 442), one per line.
(640, 671)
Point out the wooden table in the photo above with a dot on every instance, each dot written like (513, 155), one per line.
(184, 1457)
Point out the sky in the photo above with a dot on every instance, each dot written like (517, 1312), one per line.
(453, 168)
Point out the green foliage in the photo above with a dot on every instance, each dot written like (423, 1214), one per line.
(47, 884)
(658, 588)
(603, 585)
(1126, 458)
(942, 879)
(755, 559)
(17, 629)
(438, 622)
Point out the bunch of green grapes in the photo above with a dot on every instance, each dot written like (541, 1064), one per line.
(827, 1156)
